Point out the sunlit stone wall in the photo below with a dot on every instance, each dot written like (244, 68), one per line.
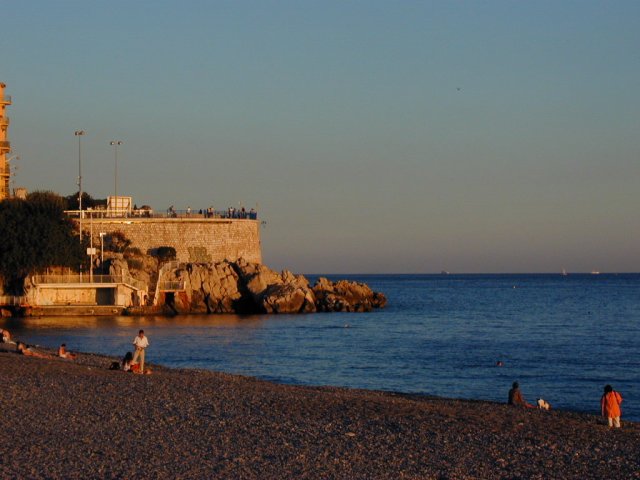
(195, 240)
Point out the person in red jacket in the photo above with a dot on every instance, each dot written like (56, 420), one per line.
(610, 406)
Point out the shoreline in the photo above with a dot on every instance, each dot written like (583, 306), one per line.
(73, 419)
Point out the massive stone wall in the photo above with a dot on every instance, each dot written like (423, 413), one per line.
(195, 240)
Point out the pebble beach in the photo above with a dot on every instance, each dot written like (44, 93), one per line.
(77, 419)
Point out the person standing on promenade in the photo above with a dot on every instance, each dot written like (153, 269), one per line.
(141, 343)
(516, 398)
(610, 406)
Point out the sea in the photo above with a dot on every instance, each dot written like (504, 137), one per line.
(563, 338)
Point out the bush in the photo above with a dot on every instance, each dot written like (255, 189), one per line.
(165, 254)
(135, 264)
(133, 252)
(117, 242)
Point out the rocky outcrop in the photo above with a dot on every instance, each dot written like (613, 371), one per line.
(344, 296)
(274, 292)
(206, 288)
(242, 287)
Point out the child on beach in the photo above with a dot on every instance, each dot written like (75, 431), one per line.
(610, 406)
(5, 336)
(62, 353)
(127, 361)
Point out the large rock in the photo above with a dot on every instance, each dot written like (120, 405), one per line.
(344, 296)
(242, 287)
(274, 292)
(206, 288)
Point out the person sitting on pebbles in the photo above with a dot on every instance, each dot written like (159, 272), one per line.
(128, 365)
(127, 361)
(5, 336)
(516, 398)
(62, 353)
(27, 351)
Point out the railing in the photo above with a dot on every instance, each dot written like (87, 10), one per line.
(4, 120)
(218, 214)
(5, 144)
(171, 286)
(137, 284)
(6, 99)
(12, 300)
(76, 278)
(171, 265)
(86, 278)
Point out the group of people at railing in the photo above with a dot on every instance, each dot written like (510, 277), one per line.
(209, 212)
(147, 212)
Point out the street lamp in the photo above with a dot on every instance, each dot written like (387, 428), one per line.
(92, 251)
(79, 134)
(102, 234)
(115, 144)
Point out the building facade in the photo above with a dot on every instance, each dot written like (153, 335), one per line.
(5, 146)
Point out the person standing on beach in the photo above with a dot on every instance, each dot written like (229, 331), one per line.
(610, 406)
(516, 398)
(141, 343)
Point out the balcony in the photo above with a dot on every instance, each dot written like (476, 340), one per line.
(5, 144)
(5, 100)
(4, 120)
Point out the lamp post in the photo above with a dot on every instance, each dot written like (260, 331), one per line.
(115, 144)
(79, 134)
(102, 234)
(92, 250)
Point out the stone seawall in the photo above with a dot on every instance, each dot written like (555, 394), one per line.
(196, 240)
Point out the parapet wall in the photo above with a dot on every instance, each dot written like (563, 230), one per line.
(195, 240)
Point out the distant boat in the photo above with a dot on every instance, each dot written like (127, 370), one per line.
(444, 272)
(564, 273)
(595, 272)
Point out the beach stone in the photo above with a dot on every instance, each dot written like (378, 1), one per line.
(78, 419)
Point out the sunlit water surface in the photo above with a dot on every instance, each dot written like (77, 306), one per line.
(562, 338)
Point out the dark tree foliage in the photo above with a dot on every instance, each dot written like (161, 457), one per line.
(117, 242)
(71, 201)
(36, 234)
(165, 254)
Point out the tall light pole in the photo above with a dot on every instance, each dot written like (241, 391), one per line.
(79, 134)
(102, 234)
(115, 144)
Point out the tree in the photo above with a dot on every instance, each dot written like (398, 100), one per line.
(36, 234)
(165, 254)
(71, 201)
(117, 242)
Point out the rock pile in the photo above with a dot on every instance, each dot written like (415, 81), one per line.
(242, 287)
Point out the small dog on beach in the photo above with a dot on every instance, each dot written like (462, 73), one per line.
(543, 405)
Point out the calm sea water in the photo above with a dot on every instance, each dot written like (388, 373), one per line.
(562, 338)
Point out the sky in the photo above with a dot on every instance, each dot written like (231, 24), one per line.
(373, 137)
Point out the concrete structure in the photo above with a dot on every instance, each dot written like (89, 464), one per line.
(195, 239)
(85, 290)
(5, 146)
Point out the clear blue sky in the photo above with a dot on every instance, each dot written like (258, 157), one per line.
(374, 136)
